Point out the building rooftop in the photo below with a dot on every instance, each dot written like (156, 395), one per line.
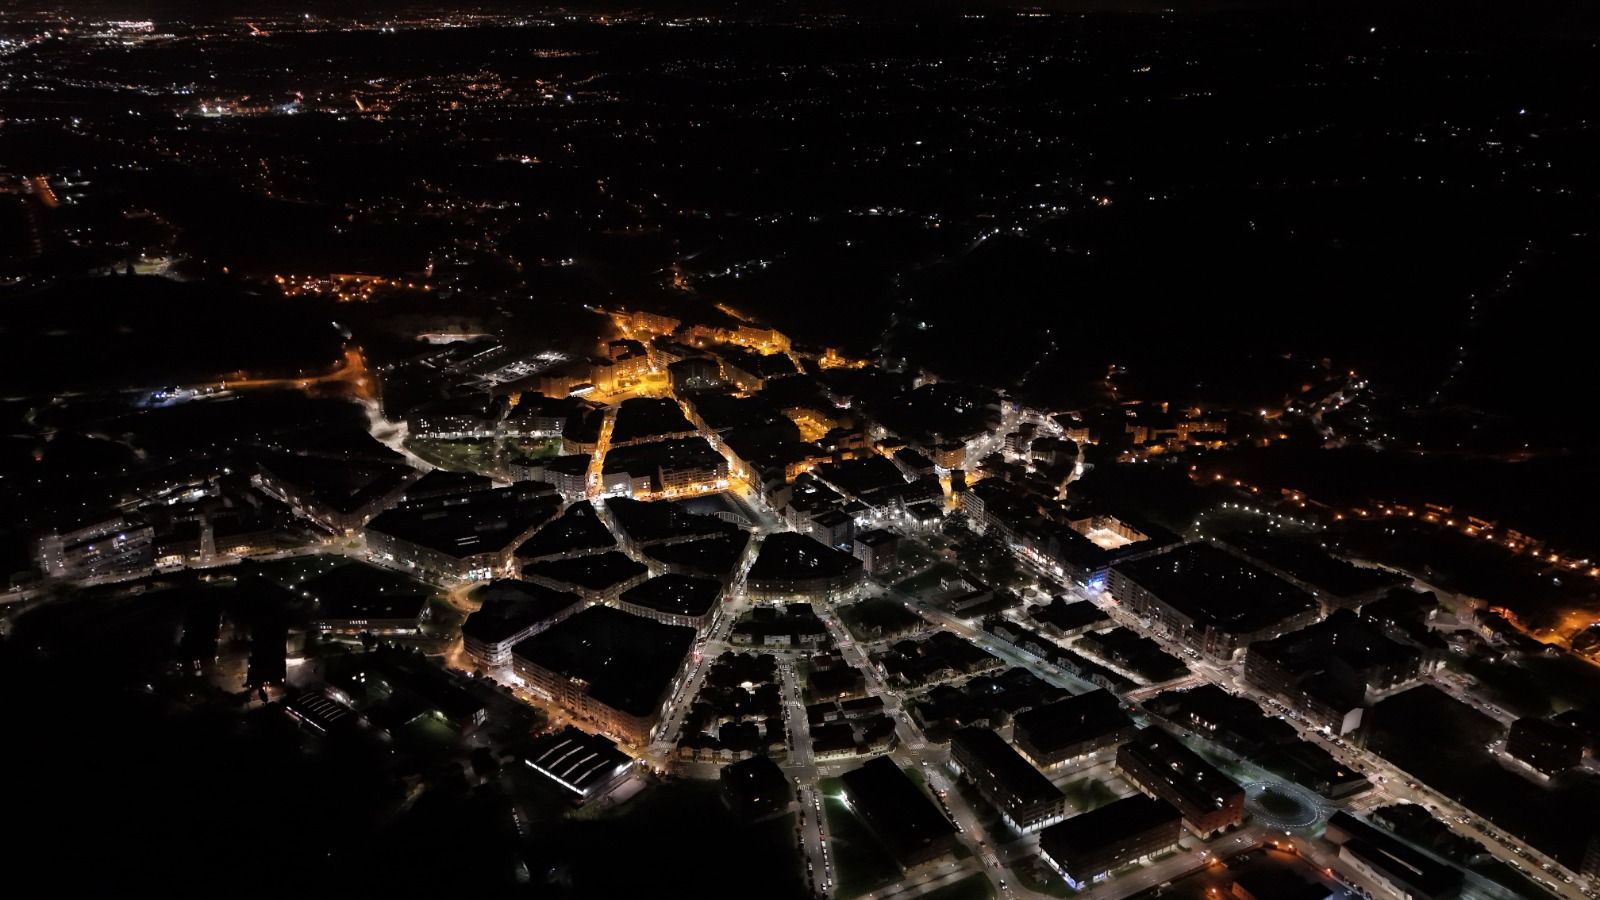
(466, 524)
(443, 483)
(627, 662)
(788, 554)
(595, 572)
(1343, 637)
(321, 712)
(756, 785)
(671, 453)
(715, 557)
(1087, 833)
(860, 476)
(679, 595)
(764, 365)
(578, 529)
(1072, 720)
(360, 591)
(1194, 779)
(643, 418)
(1069, 616)
(1401, 862)
(644, 522)
(913, 460)
(1015, 774)
(532, 405)
(1314, 566)
(876, 538)
(899, 813)
(344, 485)
(725, 411)
(576, 464)
(509, 606)
(1134, 653)
(576, 760)
(1236, 722)
(1215, 588)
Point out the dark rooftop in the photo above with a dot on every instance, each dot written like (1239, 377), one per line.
(578, 529)
(357, 590)
(757, 784)
(443, 482)
(1074, 719)
(1218, 589)
(510, 606)
(480, 521)
(678, 595)
(1192, 777)
(1314, 566)
(344, 485)
(596, 572)
(1343, 637)
(645, 522)
(722, 412)
(1234, 721)
(1018, 776)
(628, 662)
(644, 459)
(1086, 833)
(899, 813)
(715, 556)
(642, 418)
(788, 554)
(877, 538)
(859, 476)
(1068, 616)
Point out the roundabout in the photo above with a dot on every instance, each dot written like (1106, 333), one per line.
(1284, 806)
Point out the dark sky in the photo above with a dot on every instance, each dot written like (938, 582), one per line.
(1579, 19)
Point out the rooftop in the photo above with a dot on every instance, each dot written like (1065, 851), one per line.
(509, 606)
(360, 591)
(595, 572)
(643, 418)
(1314, 566)
(679, 595)
(1343, 637)
(899, 813)
(1086, 833)
(344, 485)
(645, 522)
(788, 554)
(877, 538)
(715, 557)
(1074, 719)
(479, 521)
(1018, 777)
(627, 662)
(1068, 616)
(858, 476)
(1194, 779)
(443, 482)
(578, 529)
(671, 453)
(1217, 589)
(576, 760)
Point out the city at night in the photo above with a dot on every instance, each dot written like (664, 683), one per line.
(800, 450)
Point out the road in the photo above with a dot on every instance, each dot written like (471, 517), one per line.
(1392, 785)
(994, 854)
